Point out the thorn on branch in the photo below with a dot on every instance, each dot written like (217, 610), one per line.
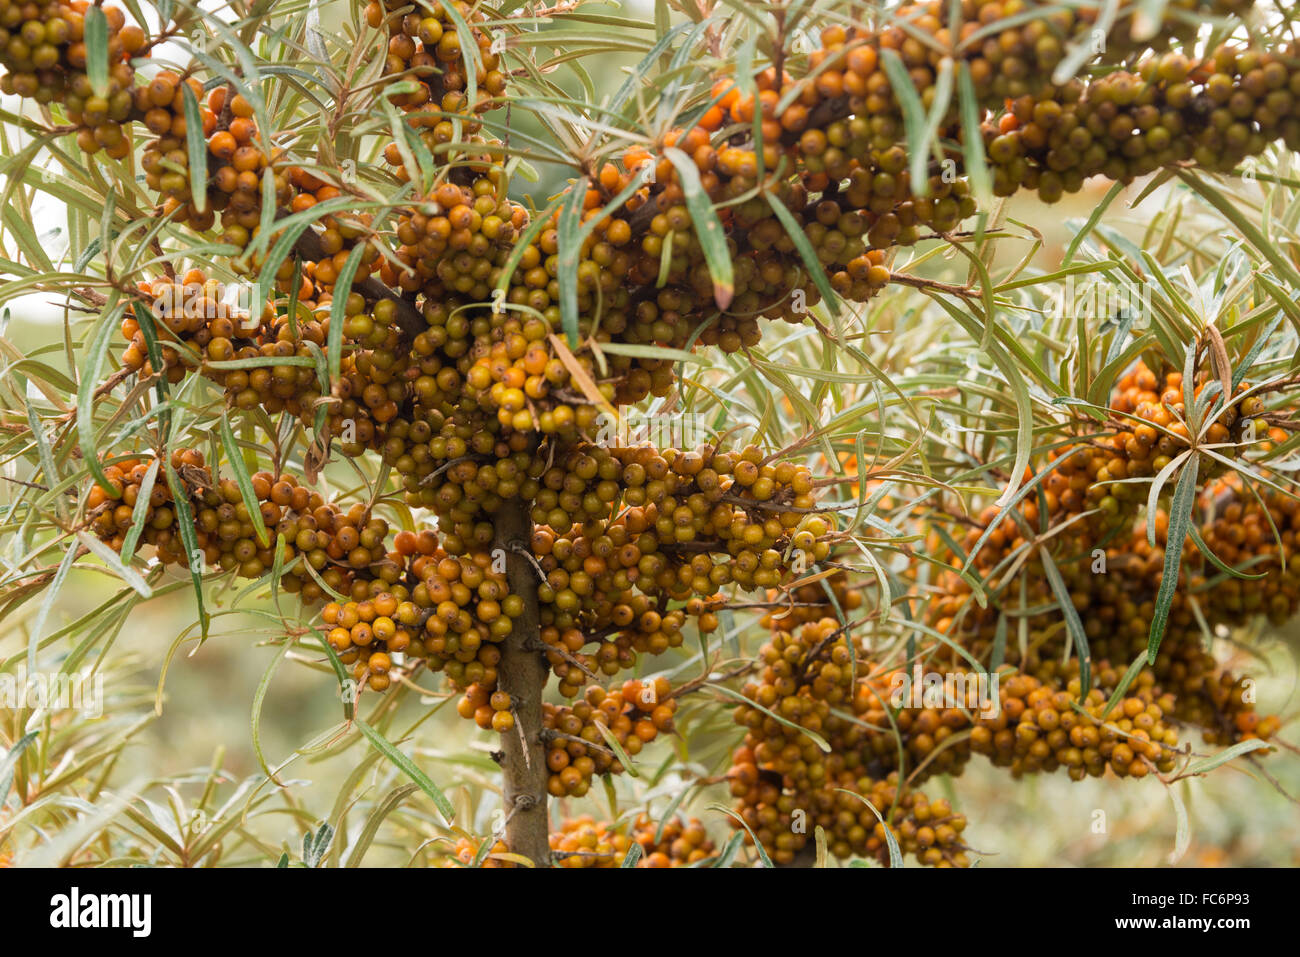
(547, 735)
(565, 654)
(519, 548)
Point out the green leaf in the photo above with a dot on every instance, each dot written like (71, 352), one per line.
(1180, 516)
(1224, 756)
(1153, 494)
(729, 851)
(665, 260)
(342, 288)
(943, 85)
(806, 252)
(484, 848)
(633, 855)
(1289, 309)
(399, 131)
(47, 604)
(289, 228)
(46, 456)
(1129, 676)
(185, 520)
(914, 118)
(758, 845)
(197, 149)
(1215, 560)
(713, 241)
(106, 231)
(96, 39)
(315, 845)
(643, 351)
(141, 510)
(673, 805)
(149, 329)
(816, 738)
(570, 250)
(1093, 219)
(999, 653)
(114, 561)
(1073, 624)
(469, 49)
(972, 144)
(1230, 208)
(390, 803)
(1116, 362)
(617, 748)
(339, 671)
(244, 480)
(10, 762)
(1013, 491)
(408, 767)
(277, 568)
(531, 232)
(643, 70)
(266, 226)
(86, 392)
(258, 698)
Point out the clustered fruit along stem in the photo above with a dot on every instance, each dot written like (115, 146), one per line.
(427, 372)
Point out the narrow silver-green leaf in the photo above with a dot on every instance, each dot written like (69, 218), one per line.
(806, 252)
(1180, 515)
(914, 119)
(713, 241)
(185, 521)
(342, 288)
(408, 767)
(95, 36)
(243, 480)
(140, 512)
(1073, 624)
(1224, 756)
(816, 738)
(196, 148)
(1129, 676)
(86, 392)
(569, 229)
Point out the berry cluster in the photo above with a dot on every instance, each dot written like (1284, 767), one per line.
(1110, 568)
(43, 51)
(578, 736)
(341, 551)
(786, 784)
(585, 842)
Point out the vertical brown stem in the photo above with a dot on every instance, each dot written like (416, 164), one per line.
(522, 675)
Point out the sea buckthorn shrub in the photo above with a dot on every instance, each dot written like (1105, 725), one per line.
(404, 430)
